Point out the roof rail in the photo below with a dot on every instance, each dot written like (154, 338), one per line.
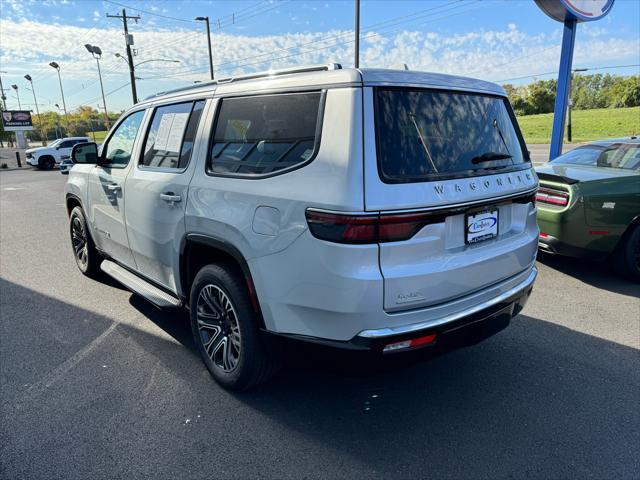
(251, 76)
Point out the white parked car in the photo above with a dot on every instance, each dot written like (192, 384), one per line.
(372, 210)
(45, 158)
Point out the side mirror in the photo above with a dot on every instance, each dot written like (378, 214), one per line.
(58, 147)
(85, 153)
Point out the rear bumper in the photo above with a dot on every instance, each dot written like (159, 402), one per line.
(463, 328)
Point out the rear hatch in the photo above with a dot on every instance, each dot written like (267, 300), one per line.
(447, 170)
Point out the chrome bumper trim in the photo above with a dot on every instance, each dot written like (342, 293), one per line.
(414, 327)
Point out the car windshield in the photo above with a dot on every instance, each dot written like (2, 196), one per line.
(424, 134)
(618, 155)
(54, 143)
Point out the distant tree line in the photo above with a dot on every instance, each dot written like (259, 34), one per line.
(80, 122)
(587, 92)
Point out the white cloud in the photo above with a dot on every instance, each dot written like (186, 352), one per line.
(489, 54)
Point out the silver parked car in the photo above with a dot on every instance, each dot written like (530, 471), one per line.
(367, 209)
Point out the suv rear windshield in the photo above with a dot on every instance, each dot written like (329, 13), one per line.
(429, 134)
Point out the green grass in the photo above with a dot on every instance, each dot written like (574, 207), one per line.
(588, 125)
(100, 136)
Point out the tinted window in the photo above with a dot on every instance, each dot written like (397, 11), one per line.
(580, 156)
(171, 135)
(424, 134)
(264, 134)
(619, 155)
(67, 144)
(117, 152)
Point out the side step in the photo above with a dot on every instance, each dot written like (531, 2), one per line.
(140, 286)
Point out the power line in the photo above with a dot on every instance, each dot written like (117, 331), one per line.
(555, 72)
(150, 12)
(200, 69)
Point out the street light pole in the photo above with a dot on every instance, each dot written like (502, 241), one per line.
(206, 20)
(64, 105)
(357, 48)
(15, 87)
(570, 103)
(33, 90)
(97, 54)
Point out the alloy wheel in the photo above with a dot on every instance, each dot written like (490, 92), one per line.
(218, 327)
(79, 241)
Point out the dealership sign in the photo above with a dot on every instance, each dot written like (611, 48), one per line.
(580, 10)
(570, 13)
(16, 120)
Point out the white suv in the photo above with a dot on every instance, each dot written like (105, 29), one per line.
(45, 158)
(365, 209)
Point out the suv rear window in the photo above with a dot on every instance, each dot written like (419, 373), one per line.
(262, 135)
(428, 134)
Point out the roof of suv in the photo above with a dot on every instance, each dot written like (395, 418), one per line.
(332, 75)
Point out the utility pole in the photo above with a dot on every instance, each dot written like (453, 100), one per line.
(357, 54)
(2, 95)
(129, 41)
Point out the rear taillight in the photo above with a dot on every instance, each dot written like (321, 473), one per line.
(362, 229)
(552, 197)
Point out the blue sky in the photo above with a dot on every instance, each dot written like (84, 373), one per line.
(496, 40)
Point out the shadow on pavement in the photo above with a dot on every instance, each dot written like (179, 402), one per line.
(598, 274)
(537, 400)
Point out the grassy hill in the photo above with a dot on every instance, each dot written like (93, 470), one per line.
(588, 125)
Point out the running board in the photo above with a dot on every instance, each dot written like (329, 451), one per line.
(140, 286)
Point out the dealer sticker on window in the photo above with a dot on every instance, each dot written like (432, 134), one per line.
(482, 226)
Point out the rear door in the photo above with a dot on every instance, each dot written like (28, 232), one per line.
(157, 189)
(455, 161)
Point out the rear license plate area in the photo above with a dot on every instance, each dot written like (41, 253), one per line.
(481, 226)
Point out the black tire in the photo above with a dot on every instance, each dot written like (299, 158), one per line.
(84, 250)
(225, 330)
(46, 163)
(627, 255)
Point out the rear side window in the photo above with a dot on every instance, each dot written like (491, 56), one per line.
(427, 134)
(171, 135)
(262, 135)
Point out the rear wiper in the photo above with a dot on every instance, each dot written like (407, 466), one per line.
(489, 156)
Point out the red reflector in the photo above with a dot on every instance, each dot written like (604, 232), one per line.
(414, 342)
(543, 235)
(598, 232)
(423, 340)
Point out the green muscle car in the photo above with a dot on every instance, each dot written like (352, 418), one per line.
(589, 204)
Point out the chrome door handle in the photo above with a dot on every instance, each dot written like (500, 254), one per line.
(170, 197)
(114, 187)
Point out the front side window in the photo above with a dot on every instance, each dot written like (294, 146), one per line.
(265, 134)
(117, 152)
(428, 134)
(67, 144)
(170, 140)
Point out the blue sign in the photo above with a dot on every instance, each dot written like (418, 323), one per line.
(580, 10)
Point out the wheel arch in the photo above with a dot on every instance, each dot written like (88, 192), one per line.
(71, 202)
(198, 250)
(635, 222)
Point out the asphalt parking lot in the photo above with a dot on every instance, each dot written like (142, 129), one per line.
(96, 383)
